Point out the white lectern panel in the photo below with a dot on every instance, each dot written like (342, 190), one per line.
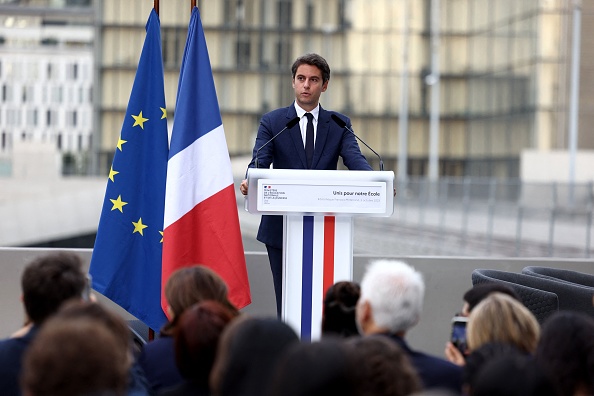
(320, 192)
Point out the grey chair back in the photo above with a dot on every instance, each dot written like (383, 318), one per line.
(572, 297)
(541, 303)
(575, 277)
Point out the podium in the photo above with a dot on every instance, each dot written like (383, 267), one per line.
(318, 207)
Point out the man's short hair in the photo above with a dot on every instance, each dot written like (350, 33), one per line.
(49, 281)
(312, 60)
(395, 292)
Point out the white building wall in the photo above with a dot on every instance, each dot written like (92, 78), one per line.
(45, 90)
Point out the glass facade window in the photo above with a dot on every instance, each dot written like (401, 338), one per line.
(243, 52)
(285, 14)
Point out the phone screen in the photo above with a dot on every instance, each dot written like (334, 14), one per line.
(459, 333)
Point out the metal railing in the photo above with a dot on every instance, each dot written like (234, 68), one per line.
(486, 217)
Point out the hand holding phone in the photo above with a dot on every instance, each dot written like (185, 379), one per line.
(458, 337)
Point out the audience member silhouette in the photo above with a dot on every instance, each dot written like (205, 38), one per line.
(248, 352)
(338, 314)
(471, 298)
(482, 355)
(566, 352)
(435, 392)
(385, 369)
(500, 318)
(316, 369)
(137, 385)
(196, 338)
(46, 283)
(73, 357)
(511, 375)
(391, 302)
(184, 288)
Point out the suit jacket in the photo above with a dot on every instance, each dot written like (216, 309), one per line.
(157, 360)
(287, 151)
(433, 371)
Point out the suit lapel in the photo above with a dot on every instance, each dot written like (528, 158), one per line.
(296, 137)
(321, 136)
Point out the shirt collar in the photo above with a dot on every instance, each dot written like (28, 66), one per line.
(301, 112)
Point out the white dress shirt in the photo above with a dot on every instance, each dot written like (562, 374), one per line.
(303, 121)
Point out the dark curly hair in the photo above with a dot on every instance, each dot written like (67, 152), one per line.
(566, 352)
(340, 303)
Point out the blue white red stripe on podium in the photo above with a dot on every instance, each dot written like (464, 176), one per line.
(317, 259)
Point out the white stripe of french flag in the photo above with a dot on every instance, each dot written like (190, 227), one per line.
(189, 172)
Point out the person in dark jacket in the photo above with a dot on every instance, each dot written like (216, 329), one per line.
(391, 302)
(46, 283)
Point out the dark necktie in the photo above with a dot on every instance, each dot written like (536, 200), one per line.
(309, 139)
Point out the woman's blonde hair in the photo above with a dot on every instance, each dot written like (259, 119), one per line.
(500, 318)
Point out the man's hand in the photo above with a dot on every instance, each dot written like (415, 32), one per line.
(244, 187)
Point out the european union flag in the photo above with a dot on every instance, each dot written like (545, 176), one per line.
(126, 262)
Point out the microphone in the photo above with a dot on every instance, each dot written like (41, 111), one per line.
(343, 124)
(289, 125)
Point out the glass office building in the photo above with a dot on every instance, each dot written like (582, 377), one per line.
(503, 72)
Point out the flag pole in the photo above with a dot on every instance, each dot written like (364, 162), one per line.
(192, 4)
(151, 332)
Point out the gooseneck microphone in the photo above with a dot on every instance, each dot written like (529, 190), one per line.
(289, 125)
(343, 124)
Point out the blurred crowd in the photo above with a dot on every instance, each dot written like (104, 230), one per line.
(71, 345)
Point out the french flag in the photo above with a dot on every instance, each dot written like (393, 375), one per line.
(201, 224)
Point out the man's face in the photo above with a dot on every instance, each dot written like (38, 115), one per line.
(308, 86)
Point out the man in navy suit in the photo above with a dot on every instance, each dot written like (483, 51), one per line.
(391, 302)
(292, 149)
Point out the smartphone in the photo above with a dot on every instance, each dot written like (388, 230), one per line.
(458, 337)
